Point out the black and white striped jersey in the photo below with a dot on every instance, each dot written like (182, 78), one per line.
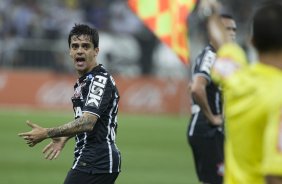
(96, 151)
(202, 67)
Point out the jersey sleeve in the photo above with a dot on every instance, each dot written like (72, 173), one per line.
(204, 65)
(230, 58)
(272, 145)
(99, 95)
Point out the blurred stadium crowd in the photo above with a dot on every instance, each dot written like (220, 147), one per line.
(33, 34)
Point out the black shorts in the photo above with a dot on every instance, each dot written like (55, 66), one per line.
(208, 157)
(76, 176)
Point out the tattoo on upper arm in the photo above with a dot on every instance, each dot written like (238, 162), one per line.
(82, 124)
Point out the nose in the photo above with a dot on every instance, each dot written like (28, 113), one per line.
(79, 50)
(233, 32)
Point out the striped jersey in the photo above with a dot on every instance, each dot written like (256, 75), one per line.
(96, 151)
(202, 67)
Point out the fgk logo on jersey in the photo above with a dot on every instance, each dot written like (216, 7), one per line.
(96, 91)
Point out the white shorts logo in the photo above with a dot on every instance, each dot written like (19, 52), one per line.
(220, 169)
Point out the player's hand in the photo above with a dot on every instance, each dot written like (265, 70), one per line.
(36, 135)
(54, 148)
(217, 120)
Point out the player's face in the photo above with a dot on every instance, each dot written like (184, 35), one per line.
(231, 28)
(83, 54)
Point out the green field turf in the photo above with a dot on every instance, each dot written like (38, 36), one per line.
(154, 150)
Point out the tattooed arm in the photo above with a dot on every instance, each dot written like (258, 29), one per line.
(83, 124)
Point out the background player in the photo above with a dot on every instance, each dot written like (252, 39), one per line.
(205, 131)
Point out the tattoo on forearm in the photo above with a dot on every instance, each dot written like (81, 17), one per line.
(82, 124)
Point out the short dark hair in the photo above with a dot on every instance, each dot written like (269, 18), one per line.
(267, 27)
(83, 29)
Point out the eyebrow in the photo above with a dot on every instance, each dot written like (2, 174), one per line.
(85, 43)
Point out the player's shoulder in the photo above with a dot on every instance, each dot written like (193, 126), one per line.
(258, 81)
(268, 78)
(205, 60)
(231, 58)
(101, 72)
(207, 53)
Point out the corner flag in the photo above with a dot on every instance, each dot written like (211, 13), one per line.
(167, 20)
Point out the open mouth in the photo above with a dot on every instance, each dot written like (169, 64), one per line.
(80, 60)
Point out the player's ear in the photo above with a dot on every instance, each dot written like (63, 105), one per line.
(96, 51)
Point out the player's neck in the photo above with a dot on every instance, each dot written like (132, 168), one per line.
(274, 59)
(87, 70)
(214, 45)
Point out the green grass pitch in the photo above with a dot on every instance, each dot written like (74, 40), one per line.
(154, 150)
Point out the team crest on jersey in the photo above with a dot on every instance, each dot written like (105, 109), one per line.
(77, 92)
(96, 91)
(89, 77)
(78, 89)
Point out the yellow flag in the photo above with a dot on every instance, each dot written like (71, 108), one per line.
(167, 19)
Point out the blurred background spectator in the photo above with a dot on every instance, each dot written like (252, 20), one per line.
(33, 34)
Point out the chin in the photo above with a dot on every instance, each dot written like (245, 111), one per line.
(79, 69)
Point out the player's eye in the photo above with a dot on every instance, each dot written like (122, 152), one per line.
(86, 46)
(74, 46)
(232, 29)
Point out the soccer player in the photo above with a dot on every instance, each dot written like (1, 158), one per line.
(253, 103)
(95, 103)
(205, 131)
